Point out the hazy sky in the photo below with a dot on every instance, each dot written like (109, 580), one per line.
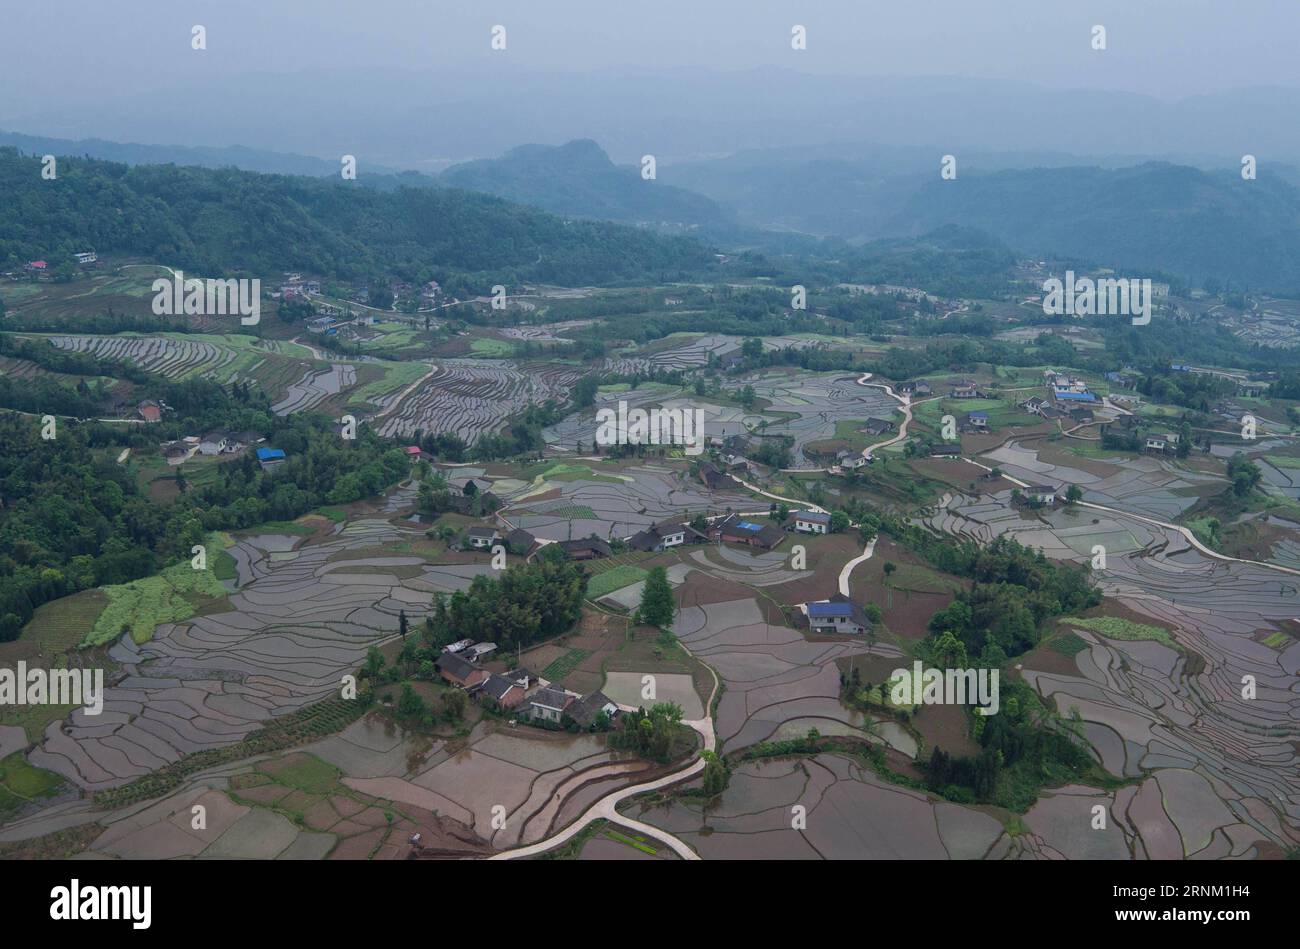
(1167, 48)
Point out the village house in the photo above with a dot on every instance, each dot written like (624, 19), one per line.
(732, 361)
(587, 709)
(270, 458)
(919, 388)
(735, 529)
(177, 452)
(1122, 379)
(1071, 396)
(733, 462)
(1041, 493)
(149, 410)
(976, 421)
(1033, 405)
(946, 450)
(662, 536)
(852, 460)
(213, 443)
(964, 390)
(520, 542)
(458, 671)
(549, 704)
(481, 538)
(588, 548)
(812, 522)
(876, 427)
(838, 615)
(502, 691)
(478, 652)
(715, 479)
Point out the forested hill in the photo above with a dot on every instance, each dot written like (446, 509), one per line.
(224, 221)
(578, 179)
(1163, 217)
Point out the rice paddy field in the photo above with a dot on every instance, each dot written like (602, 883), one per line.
(202, 665)
(470, 398)
(808, 407)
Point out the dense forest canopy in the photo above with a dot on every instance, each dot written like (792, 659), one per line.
(224, 221)
(71, 518)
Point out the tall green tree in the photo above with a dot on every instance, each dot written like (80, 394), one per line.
(657, 606)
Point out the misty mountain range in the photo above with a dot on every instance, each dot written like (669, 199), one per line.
(430, 119)
(773, 159)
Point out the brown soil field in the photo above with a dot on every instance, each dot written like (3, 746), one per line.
(960, 474)
(946, 727)
(905, 612)
(826, 557)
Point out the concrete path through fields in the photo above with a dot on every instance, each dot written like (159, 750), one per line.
(607, 807)
(1177, 528)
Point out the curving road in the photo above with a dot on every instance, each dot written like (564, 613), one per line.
(1177, 528)
(607, 806)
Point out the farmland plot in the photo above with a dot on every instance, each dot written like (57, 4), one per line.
(173, 357)
(297, 622)
(315, 387)
(470, 398)
(545, 332)
(851, 814)
(646, 495)
(718, 420)
(690, 351)
(811, 403)
(1155, 487)
(806, 406)
(1146, 707)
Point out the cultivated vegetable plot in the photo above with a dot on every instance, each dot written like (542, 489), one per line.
(469, 398)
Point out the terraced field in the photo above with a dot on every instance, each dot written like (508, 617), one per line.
(1147, 707)
(807, 406)
(297, 622)
(289, 373)
(640, 496)
(545, 332)
(690, 351)
(470, 398)
(316, 386)
(173, 357)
